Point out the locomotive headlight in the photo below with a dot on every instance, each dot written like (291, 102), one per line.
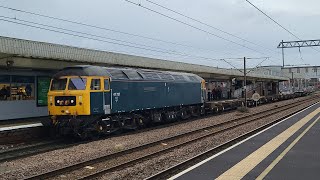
(58, 101)
(72, 101)
(67, 102)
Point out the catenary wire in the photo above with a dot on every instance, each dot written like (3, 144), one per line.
(28, 12)
(107, 29)
(66, 33)
(208, 25)
(192, 26)
(164, 50)
(81, 36)
(88, 34)
(277, 23)
(300, 55)
(257, 65)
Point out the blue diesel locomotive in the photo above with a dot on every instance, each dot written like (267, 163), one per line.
(91, 100)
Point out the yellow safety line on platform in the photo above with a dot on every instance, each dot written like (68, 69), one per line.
(276, 161)
(242, 168)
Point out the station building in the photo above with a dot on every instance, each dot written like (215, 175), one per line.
(27, 66)
(300, 78)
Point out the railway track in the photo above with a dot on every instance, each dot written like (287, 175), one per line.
(175, 169)
(126, 158)
(32, 149)
(42, 147)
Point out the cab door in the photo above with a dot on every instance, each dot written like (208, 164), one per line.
(96, 96)
(106, 96)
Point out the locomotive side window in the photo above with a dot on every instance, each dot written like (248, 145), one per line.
(106, 84)
(95, 84)
(77, 83)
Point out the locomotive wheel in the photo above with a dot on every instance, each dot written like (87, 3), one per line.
(216, 110)
(184, 115)
(195, 112)
(202, 111)
(139, 121)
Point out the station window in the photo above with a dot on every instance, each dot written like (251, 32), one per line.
(307, 70)
(17, 88)
(315, 69)
(298, 70)
(4, 88)
(106, 84)
(95, 84)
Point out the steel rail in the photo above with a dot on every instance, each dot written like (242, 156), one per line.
(169, 149)
(200, 157)
(33, 149)
(145, 146)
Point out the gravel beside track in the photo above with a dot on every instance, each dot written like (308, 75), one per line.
(33, 148)
(40, 163)
(147, 168)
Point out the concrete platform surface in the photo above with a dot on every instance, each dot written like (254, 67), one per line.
(19, 126)
(289, 149)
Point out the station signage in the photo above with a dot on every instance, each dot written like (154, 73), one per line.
(43, 84)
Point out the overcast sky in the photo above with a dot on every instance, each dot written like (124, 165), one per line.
(236, 17)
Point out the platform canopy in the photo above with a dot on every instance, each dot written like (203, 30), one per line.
(21, 53)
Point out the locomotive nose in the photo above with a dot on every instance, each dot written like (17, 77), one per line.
(66, 104)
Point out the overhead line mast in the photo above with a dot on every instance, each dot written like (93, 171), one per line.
(297, 44)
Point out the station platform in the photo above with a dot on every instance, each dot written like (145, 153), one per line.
(19, 126)
(10, 125)
(289, 149)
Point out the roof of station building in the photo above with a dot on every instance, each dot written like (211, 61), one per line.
(13, 47)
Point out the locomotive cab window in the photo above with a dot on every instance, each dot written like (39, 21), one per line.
(106, 84)
(58, 84)
(95, 84)
(78, 83)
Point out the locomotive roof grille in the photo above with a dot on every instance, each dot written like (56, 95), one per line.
(179, 77)
(127, 73)
(81, 71)
(166, 76)
(133, 74)
(117, 74)
(151, 75)
(192, 78)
